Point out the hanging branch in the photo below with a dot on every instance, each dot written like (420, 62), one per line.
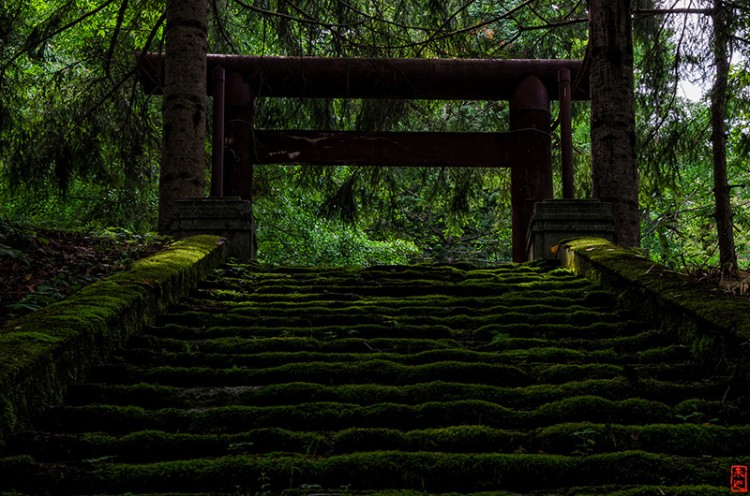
(554, 24)
(445, 23)
(314, 22)
(30, 44)
(115, 35)
(125, 77)
(381, 20)
(673, 93)
(433, 38)
(656, 12)
(220, 26)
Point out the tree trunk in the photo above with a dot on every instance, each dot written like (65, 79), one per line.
(613, 163)
(724, 225)
(183, 154)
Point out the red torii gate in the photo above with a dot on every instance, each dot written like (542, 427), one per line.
(236, 80)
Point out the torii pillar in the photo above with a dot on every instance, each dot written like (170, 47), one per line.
(531, 168)
(238, 138)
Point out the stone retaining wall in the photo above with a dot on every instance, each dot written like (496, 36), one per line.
(715, 324)
(44, 352)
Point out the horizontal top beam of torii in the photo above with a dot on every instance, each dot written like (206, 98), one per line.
(428, 79)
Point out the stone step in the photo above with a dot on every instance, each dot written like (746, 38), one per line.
(520, 380)
(434, 472)
(145, 446)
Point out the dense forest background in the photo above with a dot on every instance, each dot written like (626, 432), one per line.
(80, 141)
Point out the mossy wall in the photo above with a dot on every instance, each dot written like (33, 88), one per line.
(44, 352)
(715, 325)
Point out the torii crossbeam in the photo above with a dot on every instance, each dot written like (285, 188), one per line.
(529, 85)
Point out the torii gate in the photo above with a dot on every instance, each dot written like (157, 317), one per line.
(235, 81)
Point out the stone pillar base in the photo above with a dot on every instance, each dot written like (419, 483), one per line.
(229, 217)
(560, 220)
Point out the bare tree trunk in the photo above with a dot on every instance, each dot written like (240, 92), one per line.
(183, 155)
(613, 162)
(724, 225)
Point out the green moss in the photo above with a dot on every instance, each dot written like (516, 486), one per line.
(432, 472)
(155, 445)
(235, 344)
(672, 353)
(22, 347)
(602, 410)
(188, 357)
(374, 370)
(520, 328)
(562, 372)
(544, 355)
(235, 329)
(158, 396)
(328, 415)
(677, 439)
(713, 411)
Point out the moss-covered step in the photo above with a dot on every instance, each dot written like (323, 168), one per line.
(575, 439)
(406, 289)
(152, 396)
(145, 357)
(628, 345)
(370, 470)
(332, 415)
(588, 296)
(370, 371)
(285, 343)
(438, 315)
(517, 380)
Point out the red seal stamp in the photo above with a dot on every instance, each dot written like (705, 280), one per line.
(738, 479)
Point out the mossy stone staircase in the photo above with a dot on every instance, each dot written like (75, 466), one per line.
(511, 380)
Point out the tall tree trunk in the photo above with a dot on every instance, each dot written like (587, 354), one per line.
(613, 163)
(724, 225)
(183, 154)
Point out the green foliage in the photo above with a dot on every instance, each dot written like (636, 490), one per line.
(679, 227)
(292, 232)
(80, 143)
(77, 139)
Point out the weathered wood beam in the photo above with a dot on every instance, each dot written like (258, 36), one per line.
(429, 79)
(398, 149)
